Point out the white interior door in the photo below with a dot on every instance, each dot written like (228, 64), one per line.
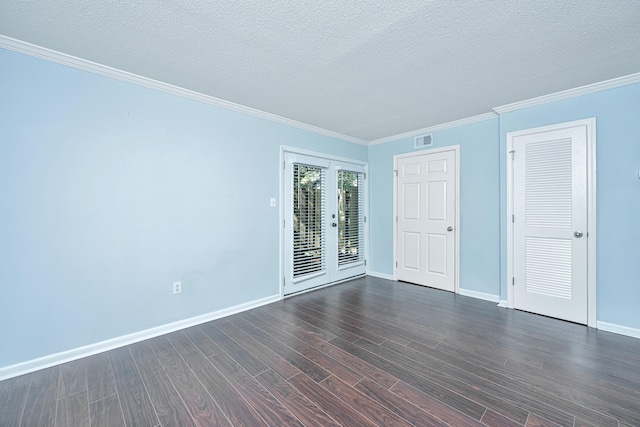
(426, 219)
(550, 223)
(324, 222)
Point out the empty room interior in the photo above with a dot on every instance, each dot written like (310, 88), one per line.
(335, 213)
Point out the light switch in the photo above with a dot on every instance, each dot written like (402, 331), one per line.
(272, 203)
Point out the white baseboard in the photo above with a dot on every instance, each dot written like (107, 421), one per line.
(479, 295)
(380, 275)
(99, 347)
(323, 286)
(502, 303)
(618, 329)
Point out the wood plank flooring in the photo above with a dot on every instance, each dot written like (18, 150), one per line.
(369, 352)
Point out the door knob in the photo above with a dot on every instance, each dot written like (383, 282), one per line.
(449, 228)
(333, 224)
(578, 234)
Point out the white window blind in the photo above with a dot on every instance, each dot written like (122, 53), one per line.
(309, 234)
(350, 217)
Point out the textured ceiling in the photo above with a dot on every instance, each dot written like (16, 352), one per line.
(365, 69)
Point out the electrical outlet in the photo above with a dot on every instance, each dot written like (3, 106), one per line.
(177, 287)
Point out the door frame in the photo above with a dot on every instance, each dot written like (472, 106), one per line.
(456, 237)
(282, 214)
(591, 209)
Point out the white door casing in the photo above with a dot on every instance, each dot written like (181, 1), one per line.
(321, 243)
(551, 230)
(426, 218)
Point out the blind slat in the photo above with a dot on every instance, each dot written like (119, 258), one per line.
(350, 217)
(308, 212)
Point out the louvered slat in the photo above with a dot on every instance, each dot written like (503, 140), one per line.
(548, 267)
(548, 190)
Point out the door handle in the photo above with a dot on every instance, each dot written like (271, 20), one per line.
(333, 224)
(578, 234)
(449, 228)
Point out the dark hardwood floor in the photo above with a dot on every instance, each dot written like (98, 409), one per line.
(369, 352)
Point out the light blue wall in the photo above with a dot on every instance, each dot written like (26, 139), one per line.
(479, 203)
(483, 197)
(617, 113)
(110, 192)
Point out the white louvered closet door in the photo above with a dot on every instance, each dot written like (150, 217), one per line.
(550, 223)
(324, 222)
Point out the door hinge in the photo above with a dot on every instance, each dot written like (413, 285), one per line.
(396, 218)
(365, 219)
(395, 171)
(396, 264)
(365, 176)
(512, 152)
(283, 281)
(513, 281)
(365, 262)
(513, 218)
(284, 165)
(283, 221)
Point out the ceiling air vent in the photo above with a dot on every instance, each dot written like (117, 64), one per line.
(423, 141)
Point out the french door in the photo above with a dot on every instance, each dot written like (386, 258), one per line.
(323, 221)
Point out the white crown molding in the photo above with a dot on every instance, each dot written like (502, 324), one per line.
(443, 126)
(103, 70)
(570, 93)
(102, 346)
(565, 94)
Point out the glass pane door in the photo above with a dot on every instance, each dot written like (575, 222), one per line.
(348, 255)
